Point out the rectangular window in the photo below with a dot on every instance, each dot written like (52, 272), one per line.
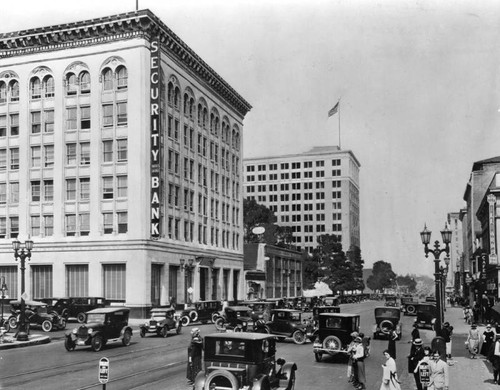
(77, 280)
(3, 227)
(107, 151)
(48, 190)
(71, 119)
(35, 191)
(70, 154)
(36, 124)
(85, 117)
(84, 224)
(122, 218)
(85, 188)
(14, 158)
(114, 281)
(48, 225)
(107, 220)
(3, 125)
(121, 149)
(41, 281)
(70, 224)
(14, 226)
(49, 121)
(85, 153)
(107, 115)
(107, 187)
(35, 225)
(36, 156)
(3, 159)
(121, 113)
(14, 124)
(70, 189)
(3, 193)
(122, 187)
(14, 192)
(48, 155)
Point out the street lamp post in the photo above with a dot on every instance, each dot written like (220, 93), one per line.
(425, 235)
(4, 290)
(21, 254)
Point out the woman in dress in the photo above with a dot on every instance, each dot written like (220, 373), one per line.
(194, 355)
(473, 341)
(393, 336)
(390, 375)
(488, 340)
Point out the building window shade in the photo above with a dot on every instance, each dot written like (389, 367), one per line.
(10, 273)
(114, 281)
(77, 280)
(41, 281)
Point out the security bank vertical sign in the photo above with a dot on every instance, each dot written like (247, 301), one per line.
(104, 371)
(155, 140)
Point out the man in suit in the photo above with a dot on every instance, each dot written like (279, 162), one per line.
(416, 354)
(439, 373)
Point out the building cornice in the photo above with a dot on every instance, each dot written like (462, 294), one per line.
(137, 24)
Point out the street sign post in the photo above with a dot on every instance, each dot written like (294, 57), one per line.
(104, 371)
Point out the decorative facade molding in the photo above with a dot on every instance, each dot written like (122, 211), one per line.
(131, 25)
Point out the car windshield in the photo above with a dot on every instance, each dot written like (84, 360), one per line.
(96, 317)
(385, 312)
(230, 348)
(158, 316)
(295, 316)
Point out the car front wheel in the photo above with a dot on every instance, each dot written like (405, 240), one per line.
(164, 331)
(81, 317)
(69, 344)
(12, 322)
(219, 324)
(299, 337)
(97, 343)
(185, 320)
(47, 326)
(127, 336)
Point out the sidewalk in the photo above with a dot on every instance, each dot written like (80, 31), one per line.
(465, 373)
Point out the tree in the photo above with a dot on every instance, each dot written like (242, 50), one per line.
(382, 276)
(407, 282)
(255, 214)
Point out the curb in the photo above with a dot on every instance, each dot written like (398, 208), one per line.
(37, 340)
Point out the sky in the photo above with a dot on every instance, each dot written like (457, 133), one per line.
(418, 83)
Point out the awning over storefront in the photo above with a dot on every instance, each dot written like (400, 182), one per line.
(320, 289)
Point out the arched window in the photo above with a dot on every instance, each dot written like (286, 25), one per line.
(85, 82)
(14, 91)
(233, 139)
(3, 92)
(121, 77)
(200, 114)
(35, 88)
(217, 127)
(48, 86)
(177, 98)
(237, 141)
(71, 84)
(223, 132)
(107, 78)
(170, 93)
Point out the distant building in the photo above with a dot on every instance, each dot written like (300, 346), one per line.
(120, 154)
(316, 193)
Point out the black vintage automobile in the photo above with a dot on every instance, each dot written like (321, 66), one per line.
(102, 326)
(161, 322)
(202, 311)
(36, 314)
(391, 300)
(317, 310)
(238, 361)
(387, 319)
(426, 315)
(75, 307)
(286, 323)
(334, 333)
(408, 306)
(261, 310)
(235, 318)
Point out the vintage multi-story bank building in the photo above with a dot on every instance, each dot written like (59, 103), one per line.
(120, 156)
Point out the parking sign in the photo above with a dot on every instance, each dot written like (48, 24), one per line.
(103, 370)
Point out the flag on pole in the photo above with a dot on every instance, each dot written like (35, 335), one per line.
(334, 110)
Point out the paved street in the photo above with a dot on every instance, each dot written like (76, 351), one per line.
(156, 363)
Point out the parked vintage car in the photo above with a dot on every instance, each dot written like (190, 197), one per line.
(426, 315)
(317, 310)
(286, 323)
(391, 300)
(102, 326)
(36, 314)
(202, 311)
(76, 307)
(387, 319)
(236, 318)
(240, 361)
(408, 306)
(161, 322)
(334, 333)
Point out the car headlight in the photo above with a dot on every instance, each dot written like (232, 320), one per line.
(244, 324)
(75, 331)
(146, 323)
(90, 330)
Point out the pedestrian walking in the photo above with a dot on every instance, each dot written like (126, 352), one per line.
(468, 315)
(473, 341)
(194, 355)
(446, 332)
(417, 353)
(439, 373)
(390, 379)
(359, 359)
(393, 336)
(494, 358)
(488, 340)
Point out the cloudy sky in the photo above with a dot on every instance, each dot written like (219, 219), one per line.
(418, 82)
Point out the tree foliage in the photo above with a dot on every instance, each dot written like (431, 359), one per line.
(382, 276)
(407, 282)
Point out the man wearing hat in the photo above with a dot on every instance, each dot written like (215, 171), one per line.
(359, 360)
(194, 355)
(416, 354)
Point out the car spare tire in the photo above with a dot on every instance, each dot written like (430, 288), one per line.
(221, 379)
(411, 309)
(332, 344)
(386, 326)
